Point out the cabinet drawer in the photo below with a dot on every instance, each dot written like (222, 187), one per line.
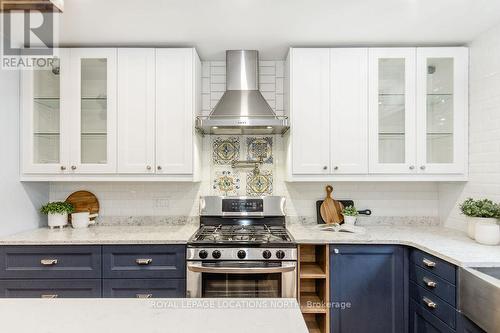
(435, 265)
(154, 288)
(144, 262)
(422, 321)
(433, 284)
(441, 309)
(50, 262)
(89, 288)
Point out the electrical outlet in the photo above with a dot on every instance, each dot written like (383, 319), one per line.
(162, 203)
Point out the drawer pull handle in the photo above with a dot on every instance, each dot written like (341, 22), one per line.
(143, 295)
(143, 261)
(430, 304)
(429, 263)
(429, 283)
(49, 296)
(48, 262)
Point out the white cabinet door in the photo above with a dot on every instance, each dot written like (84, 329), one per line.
(442, 104)
(93, 110)
(349, 110)
(136, 110)
(44, 118)
(175, 103)
(310, 110)
(392, 140)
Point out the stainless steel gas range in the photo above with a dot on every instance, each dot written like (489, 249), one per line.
(242, 249)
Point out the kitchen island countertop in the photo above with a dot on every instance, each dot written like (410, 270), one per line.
(163, 315)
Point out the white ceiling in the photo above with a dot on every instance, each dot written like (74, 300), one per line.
(271, 26)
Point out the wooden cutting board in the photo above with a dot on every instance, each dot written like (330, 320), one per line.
(84, 201)
(331, 210)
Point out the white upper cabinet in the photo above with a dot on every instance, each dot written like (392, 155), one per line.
(309, 110)
(177, 71)
(392, 132)
(136, 107)
(93, 110)
(349, 110)
(44, 127)
(442, 84)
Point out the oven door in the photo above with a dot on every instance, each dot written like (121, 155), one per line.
(252, 279)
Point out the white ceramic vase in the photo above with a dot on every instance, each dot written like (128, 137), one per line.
(57, 220)
(350, 220)
(487, 233)
(472, 221)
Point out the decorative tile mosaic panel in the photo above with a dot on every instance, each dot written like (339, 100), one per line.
(225, 150)
(260, 183)
(226, 182)
(260, 147)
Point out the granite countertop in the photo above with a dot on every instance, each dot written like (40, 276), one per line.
(449, 244)
(189, 315)
(155, 234)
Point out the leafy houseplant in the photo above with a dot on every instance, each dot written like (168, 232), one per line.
(57, 213)
(483, 210)
(350, 214)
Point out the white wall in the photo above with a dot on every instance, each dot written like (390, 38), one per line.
(146, 199)
(19, 202)
(484, 131)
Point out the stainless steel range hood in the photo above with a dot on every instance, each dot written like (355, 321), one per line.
(242, 109)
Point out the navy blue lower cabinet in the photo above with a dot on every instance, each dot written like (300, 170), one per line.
(422, 321)
(148, 288)
(72, 288)
(50, 262)
(368, 288)
(144, 261)
(465, 325)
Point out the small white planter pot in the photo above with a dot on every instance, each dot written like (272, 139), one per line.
(350, 220)
(57, 220)
(487, 233)
(472, 221)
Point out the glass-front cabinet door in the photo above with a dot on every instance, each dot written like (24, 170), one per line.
(392, 110)
(93, 147)
(44, 92)
(442, 110)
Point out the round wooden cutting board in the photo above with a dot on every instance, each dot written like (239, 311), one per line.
(84, 201)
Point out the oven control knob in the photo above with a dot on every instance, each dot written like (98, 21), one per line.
(216, 254)
(280, 254)
(203, 254)
(266, 254)
(242, 254)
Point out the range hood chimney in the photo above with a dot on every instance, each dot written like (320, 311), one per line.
(242, 109)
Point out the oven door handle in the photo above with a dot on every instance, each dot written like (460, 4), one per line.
(198, 268)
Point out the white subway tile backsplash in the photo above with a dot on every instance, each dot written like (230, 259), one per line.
(484, 131)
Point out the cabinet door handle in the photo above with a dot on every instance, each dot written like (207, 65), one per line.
(159, 167)
(48, 262)
(148, 167)
(49, 296)
(335, 168)
(429, 283)
(73, 167)
(325, 168)
(143, 295)
(63, 168)
(422, 167)
(336, 251)
(412, 167)
(143, 261)
(430, 304)
(429, 263)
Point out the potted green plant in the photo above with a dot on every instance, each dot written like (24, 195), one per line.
(350, 215)
(57, 213)
(482, 210)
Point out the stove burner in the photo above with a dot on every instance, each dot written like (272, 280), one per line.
(241, 233)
